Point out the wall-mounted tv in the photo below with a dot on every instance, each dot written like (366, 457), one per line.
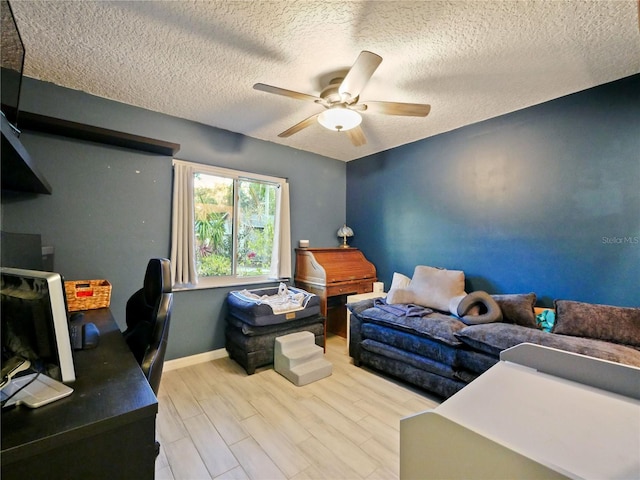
(12, 54)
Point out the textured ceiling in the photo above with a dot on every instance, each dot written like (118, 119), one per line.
(470, 60)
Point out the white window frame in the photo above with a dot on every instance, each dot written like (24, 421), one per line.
(183, 265)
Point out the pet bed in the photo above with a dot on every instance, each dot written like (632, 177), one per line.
(272, 305)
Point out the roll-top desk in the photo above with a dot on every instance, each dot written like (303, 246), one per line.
(332, 274)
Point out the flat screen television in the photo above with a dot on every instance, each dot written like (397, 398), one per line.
(12, 54)
(35, 325)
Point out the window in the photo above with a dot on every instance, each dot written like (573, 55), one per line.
(229, 227)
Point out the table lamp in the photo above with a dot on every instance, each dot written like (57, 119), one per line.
(345, 232)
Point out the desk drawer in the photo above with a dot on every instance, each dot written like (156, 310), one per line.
(350, 287)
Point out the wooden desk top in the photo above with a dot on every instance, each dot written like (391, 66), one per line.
(110, 391)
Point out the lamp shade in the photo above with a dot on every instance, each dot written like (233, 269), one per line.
(339, 119)
(345, 231)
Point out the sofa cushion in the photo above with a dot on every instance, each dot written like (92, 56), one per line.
(410, 342)
(415, 360)
(435, 325)
(432, 382)
(359, 307)
(600, 322)
(492, 338)
(466, 375)
(430, 287)
(473, 361)
(517, 308)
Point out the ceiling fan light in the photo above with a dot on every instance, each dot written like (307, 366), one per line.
(339, 119)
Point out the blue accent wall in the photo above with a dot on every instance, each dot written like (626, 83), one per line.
(110, 210)
(544, 200)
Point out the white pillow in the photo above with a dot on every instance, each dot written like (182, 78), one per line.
(399, 280)
(430, 287)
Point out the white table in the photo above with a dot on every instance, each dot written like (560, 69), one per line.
(538, 413)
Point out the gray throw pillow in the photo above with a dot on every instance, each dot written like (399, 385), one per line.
(601, 322)
(518, 308)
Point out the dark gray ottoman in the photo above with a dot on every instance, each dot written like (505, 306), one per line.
(253, 346)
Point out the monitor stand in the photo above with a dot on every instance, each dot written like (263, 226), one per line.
(34, 391)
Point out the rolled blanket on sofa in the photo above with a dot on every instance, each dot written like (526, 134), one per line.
(481, 302)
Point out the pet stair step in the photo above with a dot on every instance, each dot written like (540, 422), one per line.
(299, 359)
(295, 340)
(310, 372)
(301, 355)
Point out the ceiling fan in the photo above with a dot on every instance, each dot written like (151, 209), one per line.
(341, 101)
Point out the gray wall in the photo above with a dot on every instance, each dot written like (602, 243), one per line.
(543, 200)
(110, 210)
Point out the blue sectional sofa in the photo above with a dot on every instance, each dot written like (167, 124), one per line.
(436, 351)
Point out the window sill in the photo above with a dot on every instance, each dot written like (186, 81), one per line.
(230, 283)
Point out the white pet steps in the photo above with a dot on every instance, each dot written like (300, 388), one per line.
(299, 359)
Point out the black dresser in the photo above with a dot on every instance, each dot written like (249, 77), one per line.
(104, 429)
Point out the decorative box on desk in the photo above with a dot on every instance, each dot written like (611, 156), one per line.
(332, 274)
(87, 294)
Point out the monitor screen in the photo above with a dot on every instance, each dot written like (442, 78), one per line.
(34, 321)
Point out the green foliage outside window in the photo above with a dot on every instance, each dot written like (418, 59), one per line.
(214, 224)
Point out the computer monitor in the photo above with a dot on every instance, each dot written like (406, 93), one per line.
(34, 321)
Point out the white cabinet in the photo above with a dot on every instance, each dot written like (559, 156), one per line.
(538, 413)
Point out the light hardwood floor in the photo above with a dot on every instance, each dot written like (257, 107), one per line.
(217, 422)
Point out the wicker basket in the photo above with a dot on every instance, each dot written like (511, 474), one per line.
(87, 294)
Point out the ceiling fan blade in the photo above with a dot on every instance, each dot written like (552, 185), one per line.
(285, 93)
(356, 135)
(299, 126)
(359, 74)
(397, 108)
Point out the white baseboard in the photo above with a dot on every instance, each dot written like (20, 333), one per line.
(194, 359)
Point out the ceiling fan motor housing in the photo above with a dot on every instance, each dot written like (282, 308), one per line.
(330, 94)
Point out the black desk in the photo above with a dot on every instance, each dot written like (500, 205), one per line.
(104, 429)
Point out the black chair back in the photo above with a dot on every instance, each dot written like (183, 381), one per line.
(153, 360)
(141, 307)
